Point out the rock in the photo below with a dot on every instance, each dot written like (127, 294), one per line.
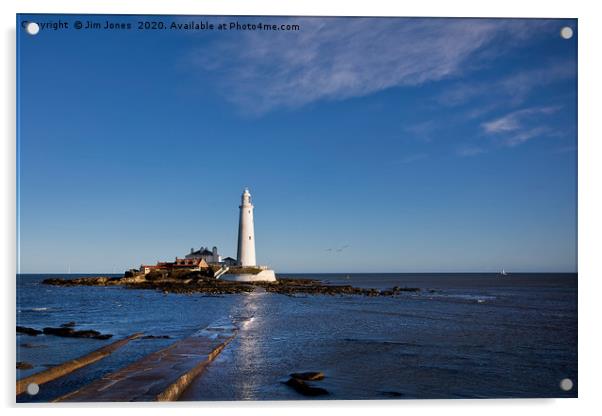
(305, 389)
(27, 345)
(68, 325)
(23, 365)
(70, 332)
(392, 393)
(61, 332)
(309, 376)
(28, 331)
(86, 333)
(156, 337)
(398, 289)
(84, 281)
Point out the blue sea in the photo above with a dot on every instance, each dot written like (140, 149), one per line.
(461, 336)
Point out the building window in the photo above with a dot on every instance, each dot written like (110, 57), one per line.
(249, 237)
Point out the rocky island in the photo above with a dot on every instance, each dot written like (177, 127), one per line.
(190, 281)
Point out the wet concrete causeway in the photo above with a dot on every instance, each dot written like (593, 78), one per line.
(164, 374)
(73, 365)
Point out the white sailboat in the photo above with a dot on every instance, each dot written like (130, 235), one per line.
(503, 273)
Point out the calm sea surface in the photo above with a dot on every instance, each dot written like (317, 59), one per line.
(462, 336)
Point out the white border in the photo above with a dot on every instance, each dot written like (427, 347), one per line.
(589, 183)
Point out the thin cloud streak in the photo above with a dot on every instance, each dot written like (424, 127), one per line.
(519, 126)
(514, 120)
(523, 136)
(355, 57)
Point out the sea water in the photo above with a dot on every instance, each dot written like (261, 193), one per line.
(461, 336)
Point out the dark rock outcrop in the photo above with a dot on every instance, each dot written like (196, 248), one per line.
(312, 287)
(28, 331)
(23, 365)
(72, 333)
(305, 389)
(392, 394)
(84, 281)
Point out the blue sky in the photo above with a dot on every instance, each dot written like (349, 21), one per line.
(382, 144)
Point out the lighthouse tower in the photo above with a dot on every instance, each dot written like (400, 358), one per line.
(246, 232)
(246, 249)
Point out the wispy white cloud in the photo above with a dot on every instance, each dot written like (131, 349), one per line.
(520, 126)
(512, 89)
(333, 59)
(524, 135)
(514, 120)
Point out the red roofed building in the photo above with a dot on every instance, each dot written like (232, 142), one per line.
(178, 264)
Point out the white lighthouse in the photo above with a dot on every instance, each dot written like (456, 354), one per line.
(246, 232)
(246, 248)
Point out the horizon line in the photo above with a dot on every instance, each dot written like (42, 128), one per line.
(355, 272)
